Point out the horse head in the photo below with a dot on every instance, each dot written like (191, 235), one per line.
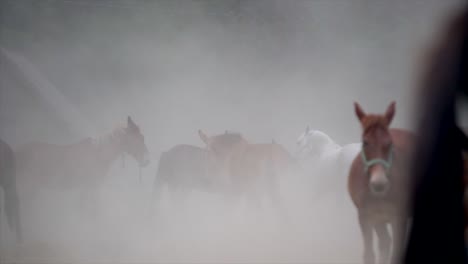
(313, 143)
(133, 143)
(377, 148)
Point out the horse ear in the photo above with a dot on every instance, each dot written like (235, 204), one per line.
(359, 112)
(130, 123)
(390, 113)
(203, 137)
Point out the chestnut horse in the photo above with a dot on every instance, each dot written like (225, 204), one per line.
(378, 183)
(8, 185)
(252, 168)
(81, 166)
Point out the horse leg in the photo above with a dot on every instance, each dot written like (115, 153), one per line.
(182, 193)
(383, 236)
(12, 213)
(11, 200)
(1, 231)
(89, 202)
(366, 231)
(274, 195)
(157, 195)
(399, 230)
(254, 197)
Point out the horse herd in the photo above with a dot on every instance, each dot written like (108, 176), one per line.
(228, 163)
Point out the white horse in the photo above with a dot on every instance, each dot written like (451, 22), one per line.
(322, 158)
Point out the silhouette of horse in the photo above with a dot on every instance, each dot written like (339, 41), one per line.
(80, 166)
(184, 168)
(464, 143)
(253, 169)
(378, 183)
(437, 226)
(8, 185)
(465, 194)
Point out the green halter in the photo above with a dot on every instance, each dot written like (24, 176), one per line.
(386, 163)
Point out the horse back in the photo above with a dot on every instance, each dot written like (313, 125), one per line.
(53, 151)
(186, 153)
(43, 164)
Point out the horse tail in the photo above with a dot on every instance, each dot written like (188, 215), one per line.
(11, 197)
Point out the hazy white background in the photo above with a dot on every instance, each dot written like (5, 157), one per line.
(70, 69)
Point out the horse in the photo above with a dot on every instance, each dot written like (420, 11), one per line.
(253, 169)
(437, 232)
(185, 168)
(79, 166)
(315, 143)
(465, 192)
(8, 185)
(318, 154)
(378, 183)
(464, 143)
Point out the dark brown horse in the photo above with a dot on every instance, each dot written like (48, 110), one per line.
(465, 194)
(378, 183)
(437, 227)
(8, 186)
(184, 168)
(81, 166)
(464, 143)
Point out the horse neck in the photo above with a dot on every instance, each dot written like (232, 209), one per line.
(109, 147)
(326, 145)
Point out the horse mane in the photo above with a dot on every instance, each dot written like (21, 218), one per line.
(325, 136)
(322, 134)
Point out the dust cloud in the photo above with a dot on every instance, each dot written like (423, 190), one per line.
(72, 69)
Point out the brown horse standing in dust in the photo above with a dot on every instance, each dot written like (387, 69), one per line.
(80, 166)
(8, 185)
(253, 169)
(378, 183)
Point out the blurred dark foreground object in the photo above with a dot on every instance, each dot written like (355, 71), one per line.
(437, 234)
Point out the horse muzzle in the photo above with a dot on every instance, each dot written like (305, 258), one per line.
(379, 189)
(379, 184)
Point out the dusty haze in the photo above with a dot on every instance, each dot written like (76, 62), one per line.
(71, 69)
